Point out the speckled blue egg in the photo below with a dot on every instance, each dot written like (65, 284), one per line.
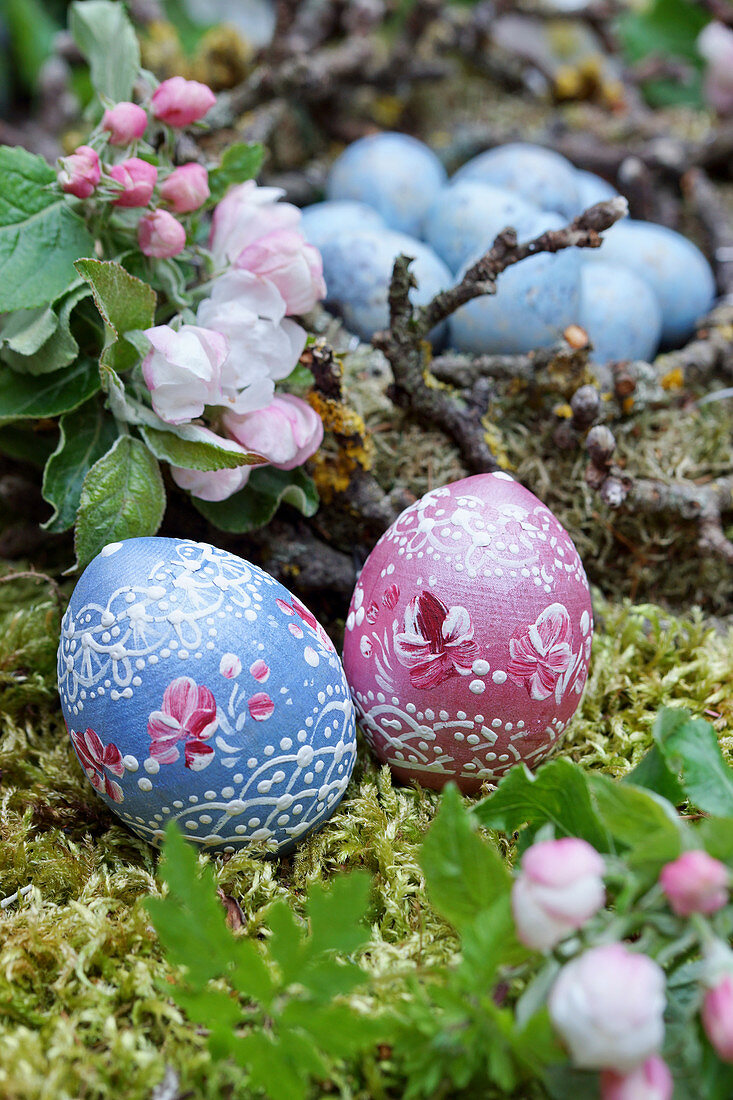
(620, 313)
(537, 174)
(357, 268)
(535, 301)
(394, 173)
(323, 220)
(467, 216)
(592, 189)
(673, 266)
(198, 689)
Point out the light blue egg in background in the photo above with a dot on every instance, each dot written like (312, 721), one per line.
(539, 175)
(620, 313)
(535, 301)
(592, 189)
(467, 215)
(394, 173)
(198, 689)
(323, 220)
(672, 265)
(357, 268)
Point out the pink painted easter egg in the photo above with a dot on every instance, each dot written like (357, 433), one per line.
(469, 634)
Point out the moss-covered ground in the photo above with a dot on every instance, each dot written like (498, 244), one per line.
(84, 1011)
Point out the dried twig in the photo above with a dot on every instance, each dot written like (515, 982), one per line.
(405, 343)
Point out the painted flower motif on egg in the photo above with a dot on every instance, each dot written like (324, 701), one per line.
(469, 634)
(189, 696)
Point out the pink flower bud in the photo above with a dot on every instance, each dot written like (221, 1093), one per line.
(650, 1081)
(286, 432)
(138, 180)
(80, 173)
(608, 1006)
(179, 102)
(160, 235)
(695, 883)
(186, 188)
(717, 1017)
(559, 887)
(125, 122)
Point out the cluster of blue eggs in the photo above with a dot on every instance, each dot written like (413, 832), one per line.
(646, 287)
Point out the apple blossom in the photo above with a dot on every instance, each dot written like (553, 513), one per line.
(650, 1081)
(160, 235)
(287, 432)
(264, 346)
(179, 102)
(559, 887)
(125, 122)
(183, 370)
(80, 172)
(186, 188)
(138, 180)
(252, 230)
(608, 1006)
(211, 485)
(695, 883)
(717, 1017)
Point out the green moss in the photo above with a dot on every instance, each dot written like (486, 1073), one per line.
(84, 1011)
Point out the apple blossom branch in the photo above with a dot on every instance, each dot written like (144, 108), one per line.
(405, 344)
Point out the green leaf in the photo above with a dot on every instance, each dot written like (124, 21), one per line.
(26, 444)
(464, 873)
(336, 915)
(239, 163)
(25, 397)
(557, 792)
(125, 303)
(40, 235)
(653, 773)
(106, 37)
(39, 341)
(667, 29)
(32, 34)
(632, 814)
(256, 504)
(87, 433)
(691, 751)
(188, 446)
(489, 942)
(122, 497)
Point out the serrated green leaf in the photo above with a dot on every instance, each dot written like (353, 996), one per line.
(557, 793)
(285, 944)
(190, 447)
(239, 163)
(125, 303)
(336, 915)
(86, 434)
(489, 942)
(256, 504)
(105, 36)
(122, 497)
(691, 751)
(58, 349)
(464, 873)
(269, 1065)
(653, 773)
(631, 813)
(40, 235)
(26, 330)
(25, 397)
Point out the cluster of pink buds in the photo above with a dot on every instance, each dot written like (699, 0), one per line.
(133, 181)
(607, 1003)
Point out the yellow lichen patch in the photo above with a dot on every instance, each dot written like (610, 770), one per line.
(627, 404)
(222, 58)
(161, 50)
(387, 110)
(563, 411)
(347, 445)
(495, 440)
(673, 379)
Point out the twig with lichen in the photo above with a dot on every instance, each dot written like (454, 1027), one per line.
(703, 504)
(405, 344)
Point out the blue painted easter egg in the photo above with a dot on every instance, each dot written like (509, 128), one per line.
(620, 313)
(537, 174)
(467, 215)
(395, 173)
(592, 189)
(198, 689)
(323, 220)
